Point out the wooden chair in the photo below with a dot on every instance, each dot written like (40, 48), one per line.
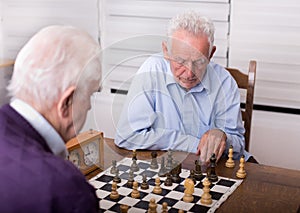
(246, 82)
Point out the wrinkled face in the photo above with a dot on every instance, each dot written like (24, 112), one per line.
(188, 56)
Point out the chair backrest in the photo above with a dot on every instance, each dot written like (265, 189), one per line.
(247, 82)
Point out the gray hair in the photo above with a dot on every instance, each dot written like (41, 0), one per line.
(193, 22)
(54, 59)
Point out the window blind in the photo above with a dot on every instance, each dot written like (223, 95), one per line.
(268, 31)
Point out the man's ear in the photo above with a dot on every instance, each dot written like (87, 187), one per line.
(64, 108)
(213, 50)
(164, 46)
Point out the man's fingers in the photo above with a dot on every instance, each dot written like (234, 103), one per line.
(203, 151)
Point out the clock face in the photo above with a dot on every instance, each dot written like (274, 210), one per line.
(91, 153)
(75, 158)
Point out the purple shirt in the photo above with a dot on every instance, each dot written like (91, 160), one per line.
(32, 178)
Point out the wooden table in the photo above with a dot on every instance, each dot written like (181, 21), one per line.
(265, 189)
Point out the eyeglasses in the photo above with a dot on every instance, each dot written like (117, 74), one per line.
(197, 64)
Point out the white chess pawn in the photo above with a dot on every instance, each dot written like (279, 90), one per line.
(114, 193)
(241, 173)
(230, 162)
(157, 189)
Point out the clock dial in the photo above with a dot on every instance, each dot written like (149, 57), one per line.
(91, 153)
(74, 157)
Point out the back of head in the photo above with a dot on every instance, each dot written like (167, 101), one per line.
(51, 61)
(194, 23)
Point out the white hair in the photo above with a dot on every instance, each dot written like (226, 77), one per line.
(54, 59)
(194, 23)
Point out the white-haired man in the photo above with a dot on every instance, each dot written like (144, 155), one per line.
(180, 100)
(54, 75)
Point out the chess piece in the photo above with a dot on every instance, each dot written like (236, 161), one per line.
(116, 178)
(144, 184)
(168, 181)
(206, 197)
(176, 173)
(134, 154)
(241, 173)
(180, 211)
(134, 166)
(114, 195)
(135, 193)
(164, 208)
(130, 179)
(154, 164)
(212, 176)
(189, 190)
(124, 208)
(230, 162)
(162, 171)
(197, 171)
(157, 189)
(169, 165)
(152, 206)
(192, 176)
(114, 167)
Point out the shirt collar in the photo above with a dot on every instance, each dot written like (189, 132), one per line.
(204, 84)
(42, 126)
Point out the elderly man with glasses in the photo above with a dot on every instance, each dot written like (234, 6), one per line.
(180, 100)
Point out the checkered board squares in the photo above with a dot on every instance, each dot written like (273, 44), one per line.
(173, 195)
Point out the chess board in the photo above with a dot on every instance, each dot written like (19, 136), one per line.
(173, 195)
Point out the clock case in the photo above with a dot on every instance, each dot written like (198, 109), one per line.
(77, 143)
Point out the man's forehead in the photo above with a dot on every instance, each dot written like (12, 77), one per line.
(184, 50)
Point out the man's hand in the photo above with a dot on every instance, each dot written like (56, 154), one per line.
(213, 141)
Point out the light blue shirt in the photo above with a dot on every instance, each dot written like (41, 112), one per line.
(160, 115)
(42, 126)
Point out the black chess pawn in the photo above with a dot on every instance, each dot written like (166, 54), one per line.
(168, 181)
(162, 171)
(134, 154)
(144, 184)
(134, 166)
(169, 165)
(114, 167)
(197, 171)
(212, 176)
(192, 176)
(176, 173)
(116, 178)
(154, 164)
(130, 179)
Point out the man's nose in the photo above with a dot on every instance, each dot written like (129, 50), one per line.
(189, 69)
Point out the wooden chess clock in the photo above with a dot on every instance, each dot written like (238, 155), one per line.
(86, 151)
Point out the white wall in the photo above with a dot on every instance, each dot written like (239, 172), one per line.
(275, 139)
